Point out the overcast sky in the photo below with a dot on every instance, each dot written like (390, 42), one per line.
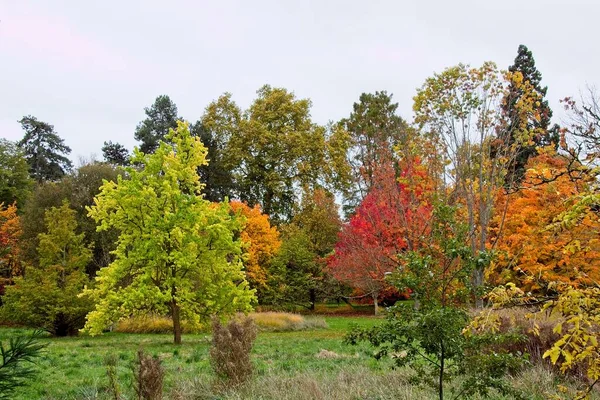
(90, 67)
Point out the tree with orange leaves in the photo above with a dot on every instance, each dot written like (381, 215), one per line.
(529, 253)
(10, 232)
(261, 243)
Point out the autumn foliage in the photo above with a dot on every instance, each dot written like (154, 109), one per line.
(10, 232)
(391, 219)
(530, 253)
(261, 242)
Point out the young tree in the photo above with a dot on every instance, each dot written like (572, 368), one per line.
(10, 233)
(161, 117)
(15, 183)
(47, 296)
(177, 253)
(45, 152)
(391, 220)
(461, 111)
(260, 244)
(115, 153)
(538, 122)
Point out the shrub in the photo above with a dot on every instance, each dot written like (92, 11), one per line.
(151, 323)
(148, 375)
(111, 362)
(230, 351)
(280, 321)
(15, 363)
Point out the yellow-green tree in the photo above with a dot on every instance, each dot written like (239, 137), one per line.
(177, 253)
(46, 297)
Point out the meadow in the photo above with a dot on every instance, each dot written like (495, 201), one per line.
(306, 364)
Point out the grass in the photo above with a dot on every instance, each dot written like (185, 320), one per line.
(287, 366)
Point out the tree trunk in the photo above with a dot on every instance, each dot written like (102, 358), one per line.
(477, 286)
(375, 304)
(313, 298)
(176, 322)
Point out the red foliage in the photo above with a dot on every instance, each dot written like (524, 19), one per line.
(393, 218)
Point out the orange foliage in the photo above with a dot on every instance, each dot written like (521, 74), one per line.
(261, 243)
(10, 232)
(532, 255)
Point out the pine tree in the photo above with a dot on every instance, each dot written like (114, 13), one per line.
(44, 150)
(115, 153)
(161, 116)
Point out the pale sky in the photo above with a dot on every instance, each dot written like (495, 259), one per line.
(90, 67)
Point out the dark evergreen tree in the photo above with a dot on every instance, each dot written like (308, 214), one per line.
(375, 129)
(115, 153)
(161, 116)
(547, 135)
(45, 152)
(216, 175)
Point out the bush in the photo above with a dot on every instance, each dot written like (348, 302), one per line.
(15, 363)
(281, 322)
(230, 351)
(151, 323)
(148, 375)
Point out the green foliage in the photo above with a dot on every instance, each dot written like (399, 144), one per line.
(161, 116)
(177, 253)
(47, 296)
(79, 188)
(44, 150)
(15, 183)
(115, 153)
(16, 361)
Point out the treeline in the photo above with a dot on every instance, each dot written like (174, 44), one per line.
(480, 199)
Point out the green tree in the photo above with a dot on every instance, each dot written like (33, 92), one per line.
(161, 117)
(374, 129)
(16, 363)
(177, 253)
(538, 122)
(15, 183)
(274, 149)
(215, 129)
(45, 152)
(115, 153)
(47, 296)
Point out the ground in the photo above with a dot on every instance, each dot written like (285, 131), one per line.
(311, 364)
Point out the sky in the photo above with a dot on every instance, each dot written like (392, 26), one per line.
(90, 67)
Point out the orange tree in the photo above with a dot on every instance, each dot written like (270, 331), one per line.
(10, 232)
(260, 243)
(530, 254)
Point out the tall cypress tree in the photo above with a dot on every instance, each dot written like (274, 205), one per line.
(548, 135)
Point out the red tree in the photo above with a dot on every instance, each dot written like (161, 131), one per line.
(393, 218)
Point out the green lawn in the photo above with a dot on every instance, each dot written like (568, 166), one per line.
(287, 367)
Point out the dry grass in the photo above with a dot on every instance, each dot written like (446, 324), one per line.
(148, 375)
(282, 322)
(153, 324)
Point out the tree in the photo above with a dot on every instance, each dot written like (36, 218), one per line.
(177, 253)
(538, 122)
(260, 244)
(16, 361)
(10, 234)
(15, 183)
(301, 277)
(534, 257)
(115, 153)
(460, 111)
(391, 220)
(374, 129)
(161, 117)
(276, 149)
(44, 150)
(47, 296)
(79, 188)
(218, 124)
